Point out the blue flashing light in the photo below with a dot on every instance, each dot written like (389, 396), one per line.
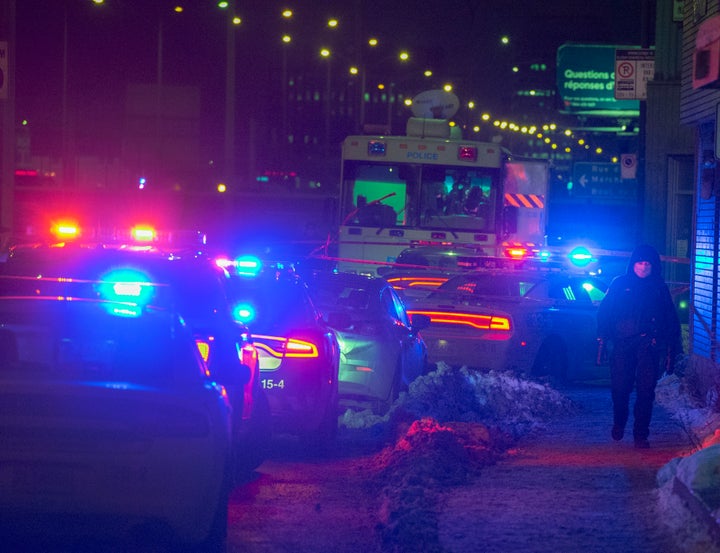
(580, 256)
(544, 255)
(243, 313)
(126, 285)
(125, 310)
(376, 148)
(248, 266)
(141, 183)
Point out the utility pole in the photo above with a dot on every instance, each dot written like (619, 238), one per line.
(642, 122)
(7, 121)
(229, 165)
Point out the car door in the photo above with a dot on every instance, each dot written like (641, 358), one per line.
(574, 317)
(412, 347)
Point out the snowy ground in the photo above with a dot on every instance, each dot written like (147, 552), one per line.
(452, 422)
(689, 486)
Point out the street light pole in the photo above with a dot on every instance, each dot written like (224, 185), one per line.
(64, 121)
(363, 86)
(284, 87)
(158, 102)
(327, 107)
(230, 96)
(327, 54)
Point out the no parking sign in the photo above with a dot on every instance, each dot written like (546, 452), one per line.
(628, 166)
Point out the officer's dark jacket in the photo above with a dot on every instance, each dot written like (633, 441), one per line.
(637, 306)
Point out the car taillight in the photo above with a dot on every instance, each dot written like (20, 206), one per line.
(516, 252)
(204, 349)
(475, 320)
(279, 346)
(248, 355)
(401, 283)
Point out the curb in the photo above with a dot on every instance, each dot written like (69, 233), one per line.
(697, 508)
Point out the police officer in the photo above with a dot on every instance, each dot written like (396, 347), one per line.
(638, 317)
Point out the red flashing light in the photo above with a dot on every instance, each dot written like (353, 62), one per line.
(65, 230)
(143, 234)
(467, 153)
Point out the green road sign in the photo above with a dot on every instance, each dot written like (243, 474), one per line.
(586, 80)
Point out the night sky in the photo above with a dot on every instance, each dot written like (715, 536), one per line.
(115, 44)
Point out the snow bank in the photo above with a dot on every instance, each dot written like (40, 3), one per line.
(690, 485)
(499, 400)
(449, 424)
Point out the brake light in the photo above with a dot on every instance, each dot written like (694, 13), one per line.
(482, 322)
(280, 347)
(204, 349)
(516, 252)
(401, 283)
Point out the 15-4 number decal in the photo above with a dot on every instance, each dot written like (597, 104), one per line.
(270, 384)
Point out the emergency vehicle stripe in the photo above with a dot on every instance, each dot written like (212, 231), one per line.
(525, 200)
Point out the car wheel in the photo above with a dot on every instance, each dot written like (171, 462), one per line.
(253, 448)
(551, 360)
(324, 437)
(216, 540)
(397, 386)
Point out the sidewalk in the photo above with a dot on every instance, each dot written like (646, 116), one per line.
(570, 487)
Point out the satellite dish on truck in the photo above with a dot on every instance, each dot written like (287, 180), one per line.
(435, 104)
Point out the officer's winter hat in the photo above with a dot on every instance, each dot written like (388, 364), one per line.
(645, 252)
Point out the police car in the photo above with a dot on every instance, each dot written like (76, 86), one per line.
(381, 352)
(299, 354)
(180, 277)
(110, 422)
(536, 322)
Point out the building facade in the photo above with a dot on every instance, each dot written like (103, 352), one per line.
(699, 101)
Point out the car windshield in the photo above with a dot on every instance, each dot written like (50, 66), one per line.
(49, 339)
(330, 295)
